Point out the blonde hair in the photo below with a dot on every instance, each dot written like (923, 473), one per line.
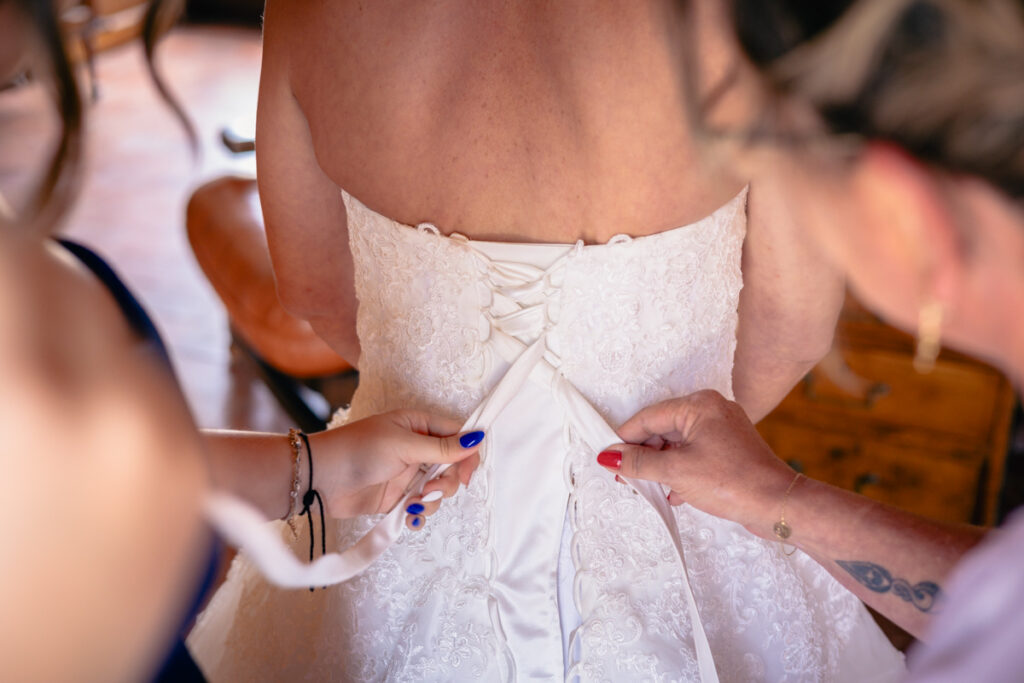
(943, 79)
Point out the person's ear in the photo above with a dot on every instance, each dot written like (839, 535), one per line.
(905, 207)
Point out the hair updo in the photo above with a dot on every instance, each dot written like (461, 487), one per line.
(944, 79)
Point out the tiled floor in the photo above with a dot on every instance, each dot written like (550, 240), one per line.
(138, 178)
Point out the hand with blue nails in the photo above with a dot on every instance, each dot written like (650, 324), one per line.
(445, 485)
(366, 467)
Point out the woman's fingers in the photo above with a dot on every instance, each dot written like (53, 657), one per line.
(673, 497)
(447, 483)
(445, 450)
(434, 490)
(429, 501)
(422, 422)
(639, 462)
(671, 420)
(466, 468)
(657, 420)
(417, 510)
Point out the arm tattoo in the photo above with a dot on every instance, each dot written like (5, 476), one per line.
(923, 595)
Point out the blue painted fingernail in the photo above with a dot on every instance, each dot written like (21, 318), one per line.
(416, 521)
(471, 439)
(414, 509)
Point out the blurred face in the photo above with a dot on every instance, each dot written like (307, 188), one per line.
(12, 44)
(782, 148)
(904, 235)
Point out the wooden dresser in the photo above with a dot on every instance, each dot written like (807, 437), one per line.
(865, 420)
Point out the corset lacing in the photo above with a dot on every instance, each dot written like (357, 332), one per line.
(520, 305)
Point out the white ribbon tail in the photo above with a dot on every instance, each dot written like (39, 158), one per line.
(244, 527)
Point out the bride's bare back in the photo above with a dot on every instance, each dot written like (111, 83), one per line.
(514, 121)
(539, 121)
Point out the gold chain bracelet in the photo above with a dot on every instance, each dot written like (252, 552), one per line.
(781, 528)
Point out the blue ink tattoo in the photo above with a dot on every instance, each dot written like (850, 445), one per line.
(923, 595)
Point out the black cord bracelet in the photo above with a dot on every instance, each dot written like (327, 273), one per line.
(308, 498)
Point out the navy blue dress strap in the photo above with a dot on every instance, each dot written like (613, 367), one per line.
(133, 311)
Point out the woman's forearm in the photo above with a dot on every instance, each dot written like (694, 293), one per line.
(713, 458)
(256, 467)
(894, 561)
(362, 467)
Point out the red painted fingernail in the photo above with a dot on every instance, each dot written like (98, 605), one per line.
(612, 459)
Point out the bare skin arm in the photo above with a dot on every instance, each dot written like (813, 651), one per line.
(360, 468)
(788, 307)
(708, 452)
(791, 296)
(302, 208)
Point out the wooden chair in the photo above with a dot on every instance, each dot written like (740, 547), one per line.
(225, 229)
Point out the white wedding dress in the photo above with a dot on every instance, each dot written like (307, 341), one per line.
(544, 567)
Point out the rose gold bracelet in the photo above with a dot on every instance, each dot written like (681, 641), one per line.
(781, 528)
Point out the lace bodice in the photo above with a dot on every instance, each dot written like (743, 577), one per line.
(633, 321)
(443, 322)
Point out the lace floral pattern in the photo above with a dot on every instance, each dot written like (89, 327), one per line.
(653, 317)
(628, 324)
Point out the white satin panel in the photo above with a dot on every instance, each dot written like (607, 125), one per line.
(545, 347)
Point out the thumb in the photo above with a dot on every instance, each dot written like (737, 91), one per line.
(445, 450)
(635, 461)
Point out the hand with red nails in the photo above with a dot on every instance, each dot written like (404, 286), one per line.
(706, 450)
(365, 467)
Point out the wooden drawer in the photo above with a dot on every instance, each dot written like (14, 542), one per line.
(926, 481)
(956, 399)
(865, 420)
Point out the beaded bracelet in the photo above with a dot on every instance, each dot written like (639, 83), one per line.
(293, 501)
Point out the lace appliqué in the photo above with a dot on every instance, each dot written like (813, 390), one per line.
(634, 322)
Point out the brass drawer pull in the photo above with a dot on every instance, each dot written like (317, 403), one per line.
(863, 480)
(837, 453)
